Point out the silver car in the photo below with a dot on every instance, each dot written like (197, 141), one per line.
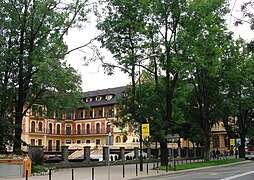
(249, 155)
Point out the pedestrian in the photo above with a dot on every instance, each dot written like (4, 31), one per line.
(217, 153)
(214, 154)
(225, 153)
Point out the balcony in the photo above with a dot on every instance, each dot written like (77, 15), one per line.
(72, 132)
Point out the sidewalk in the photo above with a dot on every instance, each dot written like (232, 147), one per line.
(116, 172)
(100, 173)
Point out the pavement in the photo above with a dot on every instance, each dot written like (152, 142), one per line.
(106, 173)
(100, 173)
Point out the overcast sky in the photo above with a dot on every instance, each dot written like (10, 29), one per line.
(93, 75)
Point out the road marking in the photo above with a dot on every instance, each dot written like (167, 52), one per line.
(237, 176)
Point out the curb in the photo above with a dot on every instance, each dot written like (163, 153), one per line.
(188, 170)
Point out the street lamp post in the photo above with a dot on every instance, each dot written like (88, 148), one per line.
(140, 125)
(172, 137)
(108, 142)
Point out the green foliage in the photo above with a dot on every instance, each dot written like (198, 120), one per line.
(37, 156)
(238, 90)
(247, 15)
(32, 65)
(38, 168)
(202, 164)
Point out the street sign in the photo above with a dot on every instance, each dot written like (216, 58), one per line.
(145, 130)
(232, 142)
(238, 142)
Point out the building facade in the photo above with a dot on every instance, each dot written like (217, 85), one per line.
(91, 126)
(84, 127)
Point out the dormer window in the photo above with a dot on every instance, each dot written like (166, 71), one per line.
(98, 98)
(108, 97)
(89, 99)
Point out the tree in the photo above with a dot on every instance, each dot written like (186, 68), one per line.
(131, 30)
(206, 37)
(247, 14)
(33, 68)
(239, 90)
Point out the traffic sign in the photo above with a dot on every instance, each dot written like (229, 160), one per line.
(232, 142)
(145, 130)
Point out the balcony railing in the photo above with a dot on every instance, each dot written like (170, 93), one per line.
(72, 132)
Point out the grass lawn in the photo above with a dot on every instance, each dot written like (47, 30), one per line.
(201, 164)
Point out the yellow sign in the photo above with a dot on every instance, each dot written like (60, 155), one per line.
(232, 142)
(145, 130)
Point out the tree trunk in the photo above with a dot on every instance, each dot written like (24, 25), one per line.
(242, 147)
(18, 129)
(206, 147)
(164, 153)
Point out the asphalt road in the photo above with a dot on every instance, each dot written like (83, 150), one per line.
(237, 172)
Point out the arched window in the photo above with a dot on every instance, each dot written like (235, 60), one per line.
(40, 111)
(108, 127)
(50, 128)
(58, 129)
(40, 126)
(88, 128)
(216, 141)
(118, 139)
(78, 129)
(97, 128)
(124, 139)
(33, 127)
(68, 129)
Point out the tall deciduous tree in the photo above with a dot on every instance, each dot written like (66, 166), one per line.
(138, 30)
(238, 86)
(204, 38)
(32, 55)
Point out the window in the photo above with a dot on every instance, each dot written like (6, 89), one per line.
(79, 129)
(100, 113)
(97, 128)
(108, 127)
(111, 112)
(118, 139)
(216, 141)
(68, 141)
(39, 142)
(58, 128)
(78, 141)
(98, 98)
(88, 141)
(40, 126)
(97, 142)
(124, 139)
(89, 99)
(108, 97)
(91, 114)
(40, 111)
(50, 147)
(33, 127)
(57, 145)
(50, 128)
(68, 115)
(88, 128)
(32, 142)
(68, 129)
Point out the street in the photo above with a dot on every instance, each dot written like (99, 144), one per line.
(237, 172)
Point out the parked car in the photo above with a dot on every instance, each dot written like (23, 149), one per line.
(249, 155)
